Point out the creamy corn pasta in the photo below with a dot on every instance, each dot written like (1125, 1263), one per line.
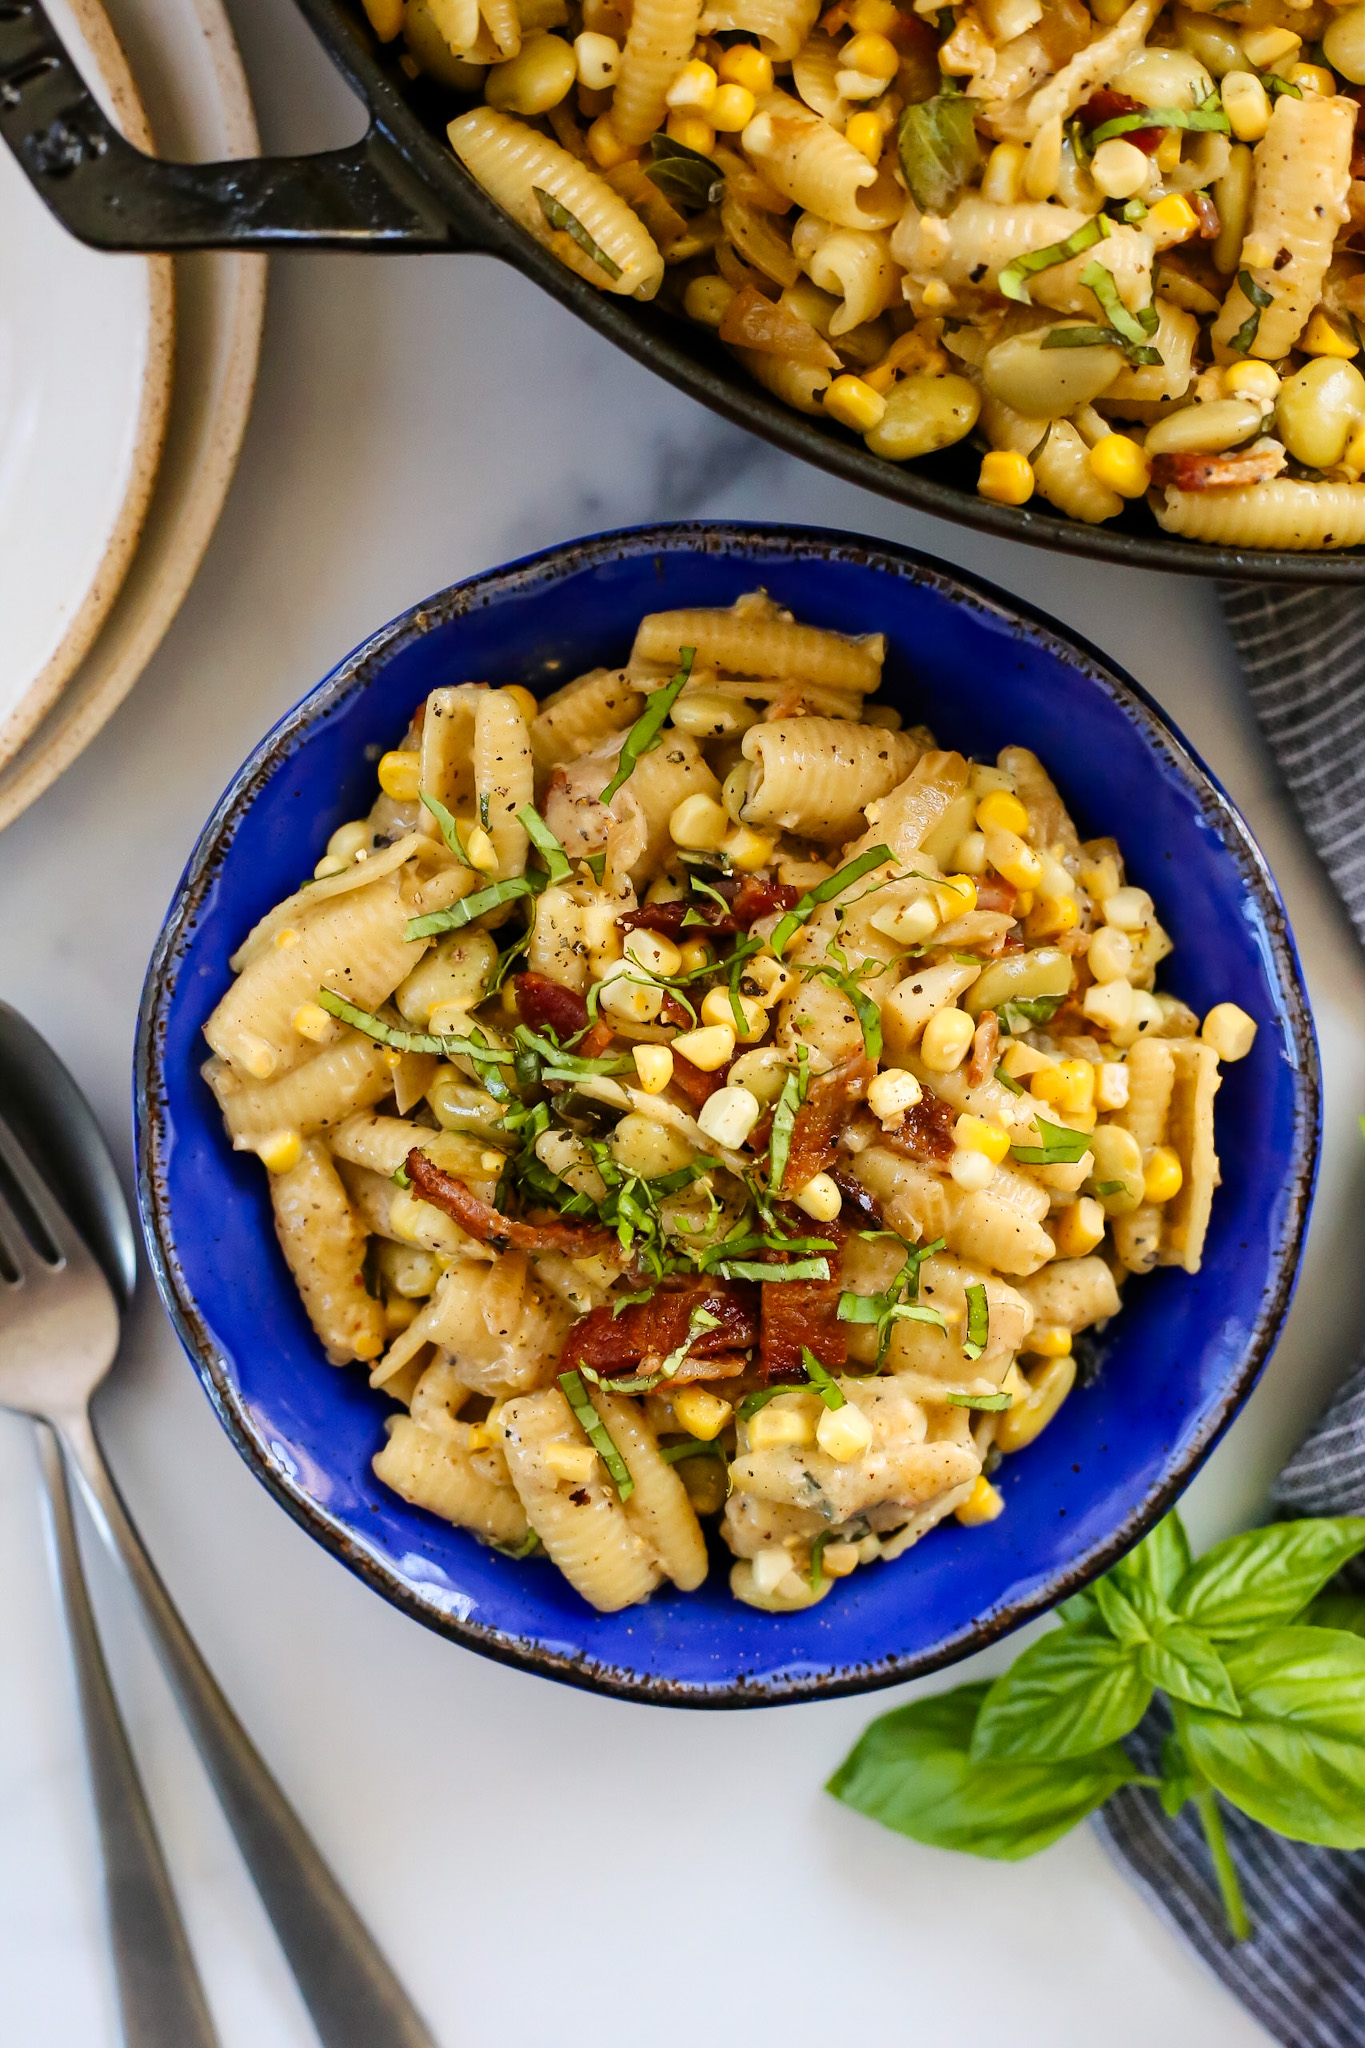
(1114, 244)
(695, 1095)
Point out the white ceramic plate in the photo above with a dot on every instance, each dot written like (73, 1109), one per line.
(85, 379)
(190, 76)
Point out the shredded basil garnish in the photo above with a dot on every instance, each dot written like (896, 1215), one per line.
(529, 1544)
(647, 730)
(1008, 1081)
(751, 1403)
(545, 843)
(1260, 298)
(447, 1046)
(560, 217)
(457, 915)
(683, 175)
(991, 1403)
(779, 1144)
(1060, 1146)
(978, 1322)
(693, 1448)
(1133, 328)
(598, 1435)
(1021, 1013)
(1014, 277)
(824, 1385)
(825, 892)
(899, 1302)
(450, 831)
(1207, 115)
(817, 1559)
(754, 1269)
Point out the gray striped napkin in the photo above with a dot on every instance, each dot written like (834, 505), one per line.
(1302, 1973)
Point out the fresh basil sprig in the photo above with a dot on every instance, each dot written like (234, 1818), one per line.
(1263, 1672)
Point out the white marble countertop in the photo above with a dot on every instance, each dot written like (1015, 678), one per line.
(537, 1862)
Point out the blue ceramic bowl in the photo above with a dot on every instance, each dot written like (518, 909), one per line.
(983, 670)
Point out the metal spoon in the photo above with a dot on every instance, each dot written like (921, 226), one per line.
(353, 1996)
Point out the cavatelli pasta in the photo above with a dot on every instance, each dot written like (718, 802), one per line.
(658, 44)
(779, 27)
(813, 74)
(800, 385)
(1278, 514)
(512, 162)
(806, 158)
(528, 1232)
(815, 776)
(1060, 460)
(853, 264)
(1089, 68)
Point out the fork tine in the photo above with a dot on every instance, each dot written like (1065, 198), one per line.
(61, 1234)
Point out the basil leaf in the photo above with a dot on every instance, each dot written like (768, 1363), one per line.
(1295, 1761)
(1066, 1696)
(1265, 1578)
(990, 1403)
(937, 144)
(450, 831)
(447, 1047)
(1260, 298)
(784, 1122)
(1081, 1611)
(468, 908)
(560, 217)
(597, 1433)
(1021, 1013)
(754, 1269)
(1208, 115)
(978, 1325)
(912, 1771)
(545, 843)
(1121, 1617)
(829, 1391)
(751, 1403)
(1060, 1147)
(1184, 1663)
(1337, 1610)
(1013, 281)
(1159, 1562)
(693, 1448)
(825, 892)
(683, 175)
(647, 731)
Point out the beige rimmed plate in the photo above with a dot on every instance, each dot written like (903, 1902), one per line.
(86, 348)
(189, 74)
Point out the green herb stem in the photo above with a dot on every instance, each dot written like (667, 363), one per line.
(1225, 1870)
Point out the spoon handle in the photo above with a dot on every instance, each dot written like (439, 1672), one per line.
(161, 2001)
(352, 1994)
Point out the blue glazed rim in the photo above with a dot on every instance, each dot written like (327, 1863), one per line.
(753, 545)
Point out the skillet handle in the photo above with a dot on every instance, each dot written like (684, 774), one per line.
(111, 196)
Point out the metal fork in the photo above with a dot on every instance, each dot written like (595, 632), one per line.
(59, 1333)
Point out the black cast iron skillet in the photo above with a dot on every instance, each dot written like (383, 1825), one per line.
(401, 190)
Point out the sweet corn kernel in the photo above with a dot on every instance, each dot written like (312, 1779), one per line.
(1322, 337)
(693, 131)
(701, 1414)
(854, 404)
(1312, 78)
(947, 1040)
(1108, 1004)
(632, 1001)
(819, 1198)
(599, 60)
(874, 17)
(748, 849)
(843, 1433)
(310, 1020)
(744, 64)
(1004, 172)
(1128, 908)
(1229, 1030)
(769, 977)
(1023, 902)
(1118, 462)
(1069, 1084)
(393, 1059)
(1048, 1387)
(1246, 104)
(728, 1116)
(607, 149)
(1110, 955)
(770, 1568)
(985, 1503)
(977, 1135)
(1010, 857)
(1001, 809)
(527, 704)
(956, 896)
(1163, 1177)
(1006, 478)
(867, 136)
(910, 923)
(400, 775)
(1049, 1340)
(700, 824)
(696, 953)
(1267, 46)
(479, 846)
(1144, 1013)
(1078, 1229)
(732, 109)
(707, 1049)
(654, 1065)
(706, 299)
(280, 1150)
(972, 1171)
(257, 1055)
(572, 1463)
(839, 1559)
(385, 18)
(655, 954)
(330, 864)
(693, 91)
(1251, 380)
(716, 1008)
(1167, 155)
(1171, 220)
(1111, 1085)
(774, 1428)
(1021, 1059)
(1119, 168)
(482, 1438)
(1050, 916)
(871, 53)
(893, 1092)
